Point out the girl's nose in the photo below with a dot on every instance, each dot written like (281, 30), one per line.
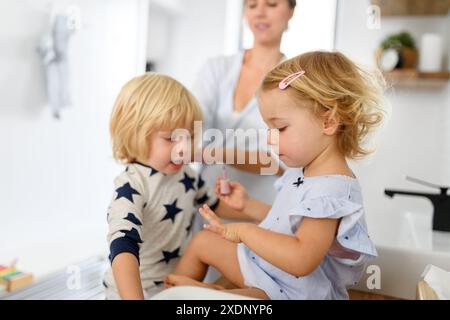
(272, 137)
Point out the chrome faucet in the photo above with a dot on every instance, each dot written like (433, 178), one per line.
(440, 201)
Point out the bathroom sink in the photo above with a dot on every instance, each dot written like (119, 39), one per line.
(406, 244)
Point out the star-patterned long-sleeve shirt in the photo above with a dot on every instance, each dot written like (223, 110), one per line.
(150, 216)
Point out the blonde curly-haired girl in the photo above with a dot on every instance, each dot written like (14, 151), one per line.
(313, 243)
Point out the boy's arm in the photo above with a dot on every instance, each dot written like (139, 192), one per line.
(125, 218)
(125, 268)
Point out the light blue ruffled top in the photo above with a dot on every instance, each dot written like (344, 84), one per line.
(331, 196)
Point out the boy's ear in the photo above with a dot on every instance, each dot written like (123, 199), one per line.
(330, 122)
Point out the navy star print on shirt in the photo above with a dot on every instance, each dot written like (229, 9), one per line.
(171, 211)
(132, 218)
(203, 199)
(152, 172)
(188, 182)
(168, 255)
(132, 234)
(188, 228)
(200, 183)
(126, 191)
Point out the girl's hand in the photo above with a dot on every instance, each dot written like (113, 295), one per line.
(236, 199)
(229, 231)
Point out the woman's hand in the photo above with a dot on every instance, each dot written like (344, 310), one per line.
(229, 231)
(236, 199)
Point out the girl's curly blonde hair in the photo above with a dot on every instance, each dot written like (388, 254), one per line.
(332, 82)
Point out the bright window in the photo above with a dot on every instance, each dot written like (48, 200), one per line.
(311, 28)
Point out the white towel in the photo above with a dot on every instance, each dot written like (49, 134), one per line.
(439, 280)
(53, 49)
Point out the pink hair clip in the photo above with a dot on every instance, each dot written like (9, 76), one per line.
(288, 80)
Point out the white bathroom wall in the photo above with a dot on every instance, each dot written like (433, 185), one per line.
(181, 40)
(416, 139)
(57, 175)
(159, 35)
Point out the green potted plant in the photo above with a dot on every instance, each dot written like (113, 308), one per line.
(397, 51)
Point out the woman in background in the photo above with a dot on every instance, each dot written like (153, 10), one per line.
(226, 88)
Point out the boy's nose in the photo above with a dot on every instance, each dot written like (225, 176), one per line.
(180, 149)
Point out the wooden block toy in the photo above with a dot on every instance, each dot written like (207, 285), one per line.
(12, 279)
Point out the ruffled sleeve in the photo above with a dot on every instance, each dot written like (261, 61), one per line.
(352, 232)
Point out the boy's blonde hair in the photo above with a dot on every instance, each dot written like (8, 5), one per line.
(146, 104)
(332, 82)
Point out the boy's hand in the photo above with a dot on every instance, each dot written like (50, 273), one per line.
(236, 199)
(229, 231)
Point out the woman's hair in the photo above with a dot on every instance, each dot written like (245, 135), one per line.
(146, 104)
(332, 82)
(292, 3)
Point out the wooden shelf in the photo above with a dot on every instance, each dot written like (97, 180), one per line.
(412, 7)
(425, 292)
(417, 79)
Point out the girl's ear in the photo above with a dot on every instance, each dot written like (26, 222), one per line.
(330, 123)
